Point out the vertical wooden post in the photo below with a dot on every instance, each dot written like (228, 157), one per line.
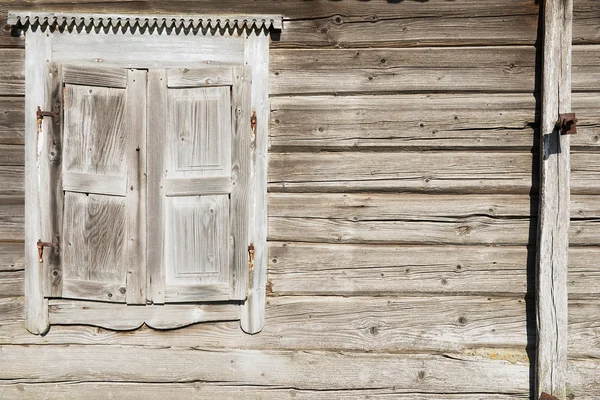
(554, 212)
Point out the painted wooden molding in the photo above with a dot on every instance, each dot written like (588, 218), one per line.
(60, 19)
(554, 212)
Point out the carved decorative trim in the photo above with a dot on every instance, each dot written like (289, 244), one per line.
(29, 19)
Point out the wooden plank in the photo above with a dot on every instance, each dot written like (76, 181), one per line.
(583, 279)
(401, 219)
(135, 154)
(12, 283)
(242, 165)
(584, 176)
(460, 172)
(87, 182)
(156, 143)
(193, 186)
(582, 376)
(206, 292)
(461, 324)
(256, 54)
(121, 317)
(146, 51)
(554, 203)
(210, 76)
(12, 65)
(12, 256)
(403, 121)
(12, 119)
(36, 208)
(90, 76)
(302, 370)
(373, 30)
(469, 69)
(149, 391)
(586, 68)
(93, 290)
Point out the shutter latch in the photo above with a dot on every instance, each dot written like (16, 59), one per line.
(41, 245)
(39, 115)
(251, 256)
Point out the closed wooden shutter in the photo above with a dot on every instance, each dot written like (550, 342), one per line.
(199, 171)
(102, 242)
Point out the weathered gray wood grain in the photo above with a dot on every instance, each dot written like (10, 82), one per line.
(90, 76)
(586, 68)
(12, 155)
(193, 186)
(135, 155)
(587, 108)
(120, 317)
(582, 378)
(89, 182)
(146, 391)
(464, 172)
(256, 54)
(12, 309)
(210, 76)
(554, 204)
(242, 165)
(303, 370)
(12, 256)
(12, 219)
(12, 120)
(12, 180)
(156, 143)
(37, 210)
(12, 65)
(95, 289)
(12, 283)
(402, 121)
(477, 69)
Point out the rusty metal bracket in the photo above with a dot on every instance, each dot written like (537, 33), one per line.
(567, 124)
(546, 396)
(41, 245)
(253, 124)
(39, 115)
(251, 256)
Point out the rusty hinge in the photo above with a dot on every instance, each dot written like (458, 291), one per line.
(567, 124)
(251, 256)
(546, 396)
(253, 124)
(41, 245)
(39, 115)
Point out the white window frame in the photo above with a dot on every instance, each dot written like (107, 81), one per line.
(140, 42)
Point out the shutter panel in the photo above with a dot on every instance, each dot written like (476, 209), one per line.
(199, 172)
(103, 237)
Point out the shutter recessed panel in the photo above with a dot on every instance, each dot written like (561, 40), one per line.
(193, 197)
(102, 230)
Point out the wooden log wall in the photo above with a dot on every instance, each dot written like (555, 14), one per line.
(402, 205)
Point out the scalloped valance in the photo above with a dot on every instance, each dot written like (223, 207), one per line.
(131, 21)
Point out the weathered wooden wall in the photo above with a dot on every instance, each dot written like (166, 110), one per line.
(401, 216)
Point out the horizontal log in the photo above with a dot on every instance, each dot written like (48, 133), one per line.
(354, 270)
(160, 391)
(458, 172)
(401, 219)
(12, 120)
(12, 155)
(301, 370)
(585, 105)
(373, 30)
(12, 65)
(582, 382)
(450, 172)
(586, 68)
(403, 121)
(473, 69)
(12, 219)
(584, 328)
